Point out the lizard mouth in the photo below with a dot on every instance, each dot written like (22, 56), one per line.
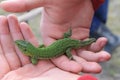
(21, 44)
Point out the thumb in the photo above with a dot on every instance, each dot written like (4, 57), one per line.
(21, 5)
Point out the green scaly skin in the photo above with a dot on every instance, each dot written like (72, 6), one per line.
(58, 48)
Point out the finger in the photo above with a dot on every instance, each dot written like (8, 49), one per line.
(98, 45)
(68, 65)
(17, 35)
(8, 45)
(96, 57)
(28, 34)
(23, 5)
(91, 67)
(4, 66)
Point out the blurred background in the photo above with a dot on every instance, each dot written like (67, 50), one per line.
(111, 69)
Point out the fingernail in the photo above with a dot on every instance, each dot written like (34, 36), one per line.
(105, 56)
(87, 77)
(102, 44)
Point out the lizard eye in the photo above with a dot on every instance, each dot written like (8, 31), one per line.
(25, 49)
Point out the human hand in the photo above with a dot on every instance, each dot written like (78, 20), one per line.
(58, 16)
(11, 58)
(16, 66)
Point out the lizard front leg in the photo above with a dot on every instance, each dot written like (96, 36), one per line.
(34, 60)
(68, 34)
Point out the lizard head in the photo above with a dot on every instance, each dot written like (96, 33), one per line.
(23, 46)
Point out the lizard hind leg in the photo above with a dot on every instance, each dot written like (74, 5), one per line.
(41, 46)
(34, 60)
(68, 54)
(68, 33)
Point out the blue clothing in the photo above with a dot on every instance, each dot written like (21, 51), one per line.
(100, 16)
(99, 28)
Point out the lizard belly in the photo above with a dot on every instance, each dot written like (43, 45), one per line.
(48, 54)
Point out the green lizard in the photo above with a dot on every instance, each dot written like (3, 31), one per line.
(56, 49)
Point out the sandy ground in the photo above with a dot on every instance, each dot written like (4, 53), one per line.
(111, 69)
